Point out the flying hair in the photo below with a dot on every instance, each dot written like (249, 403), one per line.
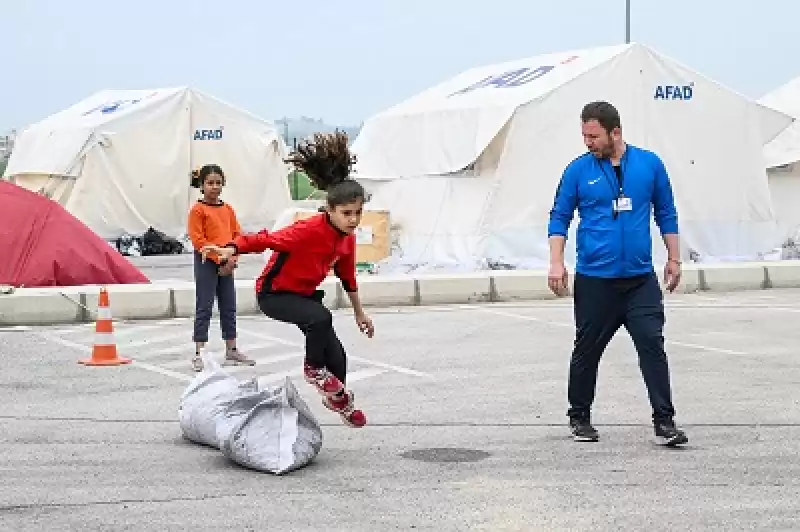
(328, 163)
(326, 160)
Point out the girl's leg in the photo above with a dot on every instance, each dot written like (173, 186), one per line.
(326, 362)
(226, 299)
(342, 403)
(205, 280)
(335, 357)
(316, 323)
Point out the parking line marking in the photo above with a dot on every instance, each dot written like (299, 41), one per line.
(149, 367)
(560, 324)
(188, 349)
(398, 369)
(392, 367)
(271, 378)
(259, 361)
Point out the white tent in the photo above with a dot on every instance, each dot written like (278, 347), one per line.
(783, 159)
(120, 161)
(468, 168)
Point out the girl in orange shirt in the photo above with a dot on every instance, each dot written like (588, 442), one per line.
(211, 221)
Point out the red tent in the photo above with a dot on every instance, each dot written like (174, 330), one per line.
(44, 245)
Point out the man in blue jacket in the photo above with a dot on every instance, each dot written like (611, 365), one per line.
(615, 187)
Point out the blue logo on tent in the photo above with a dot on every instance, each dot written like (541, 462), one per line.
(674, 92)
(112, 106)
(208, 134)
(513, 78)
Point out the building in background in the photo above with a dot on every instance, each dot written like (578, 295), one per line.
(7, 144)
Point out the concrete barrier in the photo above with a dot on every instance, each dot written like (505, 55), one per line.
(183, 301)
(734, 276)
(37, 307)
(783, 274)
(520, 285)
(453, 289)
(48, 306)
(128, 302)
(383, 291)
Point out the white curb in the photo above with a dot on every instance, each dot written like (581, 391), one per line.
(64, 305)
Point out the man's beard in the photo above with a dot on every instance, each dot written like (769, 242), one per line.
(606, 152)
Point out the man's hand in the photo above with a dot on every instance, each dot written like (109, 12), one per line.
(672, 274)
(365, 325)
(558, 278)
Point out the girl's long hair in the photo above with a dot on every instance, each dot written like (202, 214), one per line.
(328, 163)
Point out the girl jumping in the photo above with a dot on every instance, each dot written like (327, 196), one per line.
(303, 254)
(211, 221)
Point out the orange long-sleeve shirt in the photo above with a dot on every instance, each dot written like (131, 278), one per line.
(212, 224)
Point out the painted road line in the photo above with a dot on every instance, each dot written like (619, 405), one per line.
(188, 348)
(147, 342)
(355, 376)
(561, 324)
(521, 316)
(269, 338)
(392, 367)
(136, 363)
(259, 361)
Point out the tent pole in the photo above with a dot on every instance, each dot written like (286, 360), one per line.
(627, 21)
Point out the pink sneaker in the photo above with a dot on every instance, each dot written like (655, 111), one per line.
(322, 379)
(344, 406)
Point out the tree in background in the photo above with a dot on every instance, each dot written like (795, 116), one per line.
(3, 164)
(295, 129)
(301, 188)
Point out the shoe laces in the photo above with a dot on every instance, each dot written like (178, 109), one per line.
(346, 401)
(321, 374)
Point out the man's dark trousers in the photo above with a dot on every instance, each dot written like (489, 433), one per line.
(601, 307)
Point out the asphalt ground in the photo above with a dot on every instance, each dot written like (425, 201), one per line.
(467, 427)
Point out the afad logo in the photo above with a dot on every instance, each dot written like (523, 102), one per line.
(512, 78)
(674, 92)
(114, 106)
(208, 134)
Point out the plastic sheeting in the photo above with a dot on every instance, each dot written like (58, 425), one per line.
(271, 429)
(43, 245)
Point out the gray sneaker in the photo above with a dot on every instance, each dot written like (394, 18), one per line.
(234, 358)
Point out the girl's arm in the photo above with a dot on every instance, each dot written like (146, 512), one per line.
(236, 229)
(287, 239)
(345, 270)
(195, 229)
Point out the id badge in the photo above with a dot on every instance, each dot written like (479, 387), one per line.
(623, 204)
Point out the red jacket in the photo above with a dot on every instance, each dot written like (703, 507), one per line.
(303, 255)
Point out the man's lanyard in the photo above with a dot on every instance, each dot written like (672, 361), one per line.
(619, 183)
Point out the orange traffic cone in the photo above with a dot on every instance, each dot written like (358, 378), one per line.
(104, 352)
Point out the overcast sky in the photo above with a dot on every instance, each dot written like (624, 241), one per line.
(344, 60)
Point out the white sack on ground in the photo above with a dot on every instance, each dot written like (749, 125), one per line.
(206, 399)
(271, 430)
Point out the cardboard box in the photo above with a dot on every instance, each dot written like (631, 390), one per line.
(373, 240)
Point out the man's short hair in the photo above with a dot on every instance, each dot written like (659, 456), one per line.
(605, 114)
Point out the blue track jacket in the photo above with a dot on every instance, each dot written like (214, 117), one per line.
(607, 246)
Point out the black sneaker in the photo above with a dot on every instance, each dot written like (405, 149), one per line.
(582, 430)
(668, 434)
